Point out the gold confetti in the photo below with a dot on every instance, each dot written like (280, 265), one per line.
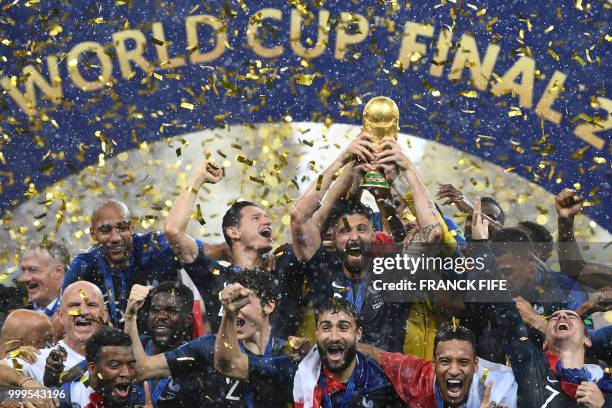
(83, 295)
(227, 345)
(257, 180)
(469, 94)
(55, 30)
(199, 215)
(187, 105)
(216, 272)
(553, 54)
(157, 42)
(346, 223)
(74, 312)
(484, 376)
(514, 111)
(319, 181)
(244, 160)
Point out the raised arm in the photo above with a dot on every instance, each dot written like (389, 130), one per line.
(229, 360)
(405, 177)
(146, 367)
(452, 195)
(568, 204)
(183, 244)
(311, 210)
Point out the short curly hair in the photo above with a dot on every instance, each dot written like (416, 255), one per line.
(105, 337)
(261, 282)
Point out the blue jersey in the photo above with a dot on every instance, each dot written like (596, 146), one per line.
(368, 386)
(152, 261)
(172, 392)
(211, 276)
(197, 356)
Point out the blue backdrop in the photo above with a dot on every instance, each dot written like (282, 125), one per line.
(242, 87)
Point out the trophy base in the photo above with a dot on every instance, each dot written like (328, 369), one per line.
(374, 179)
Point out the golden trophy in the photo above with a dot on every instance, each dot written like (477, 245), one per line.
(381, 120)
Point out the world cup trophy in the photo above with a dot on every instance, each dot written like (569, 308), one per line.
(381, 120)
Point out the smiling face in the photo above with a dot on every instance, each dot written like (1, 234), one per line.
(337, 336)
(111, 228)
(354, 237)
(455, 363)
(114, 374)
(82, 313)
(254, 230)
(42, 276)
(565, 329)
(168, 320)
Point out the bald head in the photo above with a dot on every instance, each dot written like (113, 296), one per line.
(110, 205)
(111, 228)
(83, 289)
(26, 328)
(82, 312)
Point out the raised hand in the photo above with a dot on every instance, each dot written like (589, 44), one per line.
(601, 300)
(391, 153)
(234, 297)
(361, 148)
(206, 172)
(54, 366)
(568, 203)
(480, 225)
(454, 196)
(138, 295)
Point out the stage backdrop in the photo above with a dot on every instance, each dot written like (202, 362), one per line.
(521, 84)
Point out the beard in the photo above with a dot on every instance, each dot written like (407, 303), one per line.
(349, 355)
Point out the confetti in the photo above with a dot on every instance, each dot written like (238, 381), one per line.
(83, 295)
(199, 215)
(484, 376)
(469, 94)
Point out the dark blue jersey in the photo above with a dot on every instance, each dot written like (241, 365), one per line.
(197, 356)
(538, 386)
(152, 261)
(383, 321)
(170, 392)
(211, 276)
(368, 387)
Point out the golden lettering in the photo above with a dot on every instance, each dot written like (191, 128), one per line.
(441, 54)
(586, 131)
(525, 68)
(193, 44)
(253, 28)
(106, 65)
(467, 55)
(551, 93)
(410, 48)
(51, 89)
(295, 35)
(134, 55)
(165, 61)
(343, 38)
